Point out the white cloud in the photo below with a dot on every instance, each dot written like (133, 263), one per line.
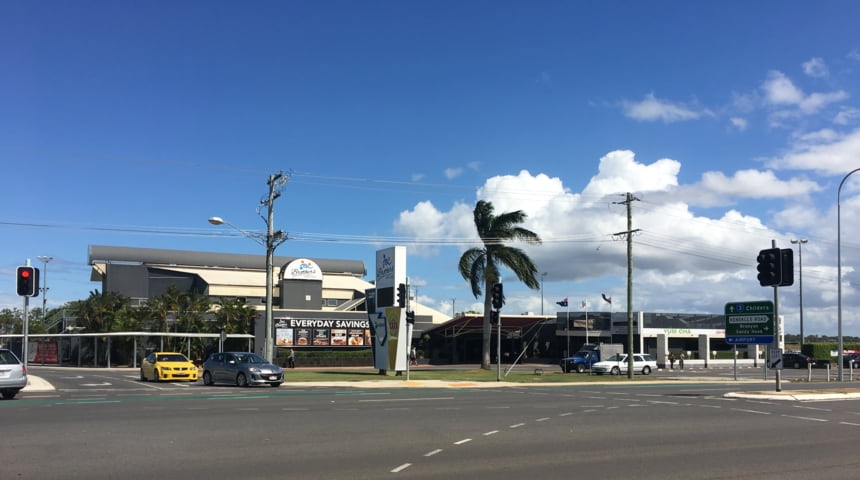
(823, 152)
(417, 177)
(779, 90)
(652, 108)
(815, 67)
(619, 172)
(754, 184)
(739, 124)
(452, 173)
(847, 115)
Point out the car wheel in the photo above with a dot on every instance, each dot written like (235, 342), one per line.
(207, 378)
(580, 368)
(615, 371)
(646, 370)
(9, 394)
(276, 384)
(796, 364)
(155, 376)
(241, 380)
(142, 376)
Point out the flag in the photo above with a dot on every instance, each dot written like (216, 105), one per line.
(562, 303)
(584, 304)
(606, 299)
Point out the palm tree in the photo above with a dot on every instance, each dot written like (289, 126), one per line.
(481, 265)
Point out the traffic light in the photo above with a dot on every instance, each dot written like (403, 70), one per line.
(28, 281)
(410, 318)
(787, 265)
(401, 295)
(494, 317)
(770, 267)
(498, 296)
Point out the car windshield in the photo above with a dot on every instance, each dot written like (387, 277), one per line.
(616, 358)
(176, 357)
(250, 358)
(581, 354)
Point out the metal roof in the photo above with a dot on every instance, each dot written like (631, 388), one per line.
(156, 256)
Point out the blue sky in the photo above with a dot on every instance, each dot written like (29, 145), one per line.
(732, 123)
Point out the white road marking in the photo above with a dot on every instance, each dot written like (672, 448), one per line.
(433, 452)
(806, 418)
(460, 442)
(516, 425)
(401, 468)
(491, 432)
(542, 419)
(751, 411)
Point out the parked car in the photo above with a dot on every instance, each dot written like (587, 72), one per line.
(847, 358)
(13, 374)
(617, 364)
(241, 369)
(797, 360)
(161, 366)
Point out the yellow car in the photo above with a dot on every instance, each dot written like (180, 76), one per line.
(158, 366)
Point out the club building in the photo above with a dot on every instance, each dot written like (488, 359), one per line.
(320, 303)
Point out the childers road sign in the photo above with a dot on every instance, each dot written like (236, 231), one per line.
(749, 323)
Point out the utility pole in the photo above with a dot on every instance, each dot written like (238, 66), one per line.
(273, 239)
(629, 198)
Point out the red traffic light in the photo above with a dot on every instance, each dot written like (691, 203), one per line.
(27, 281)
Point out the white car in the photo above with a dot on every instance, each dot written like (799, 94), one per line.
(617, 364)
(13, 374)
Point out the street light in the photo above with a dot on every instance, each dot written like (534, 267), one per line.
(800, 243)
(270, 241)
(45, 259)
(839, 268)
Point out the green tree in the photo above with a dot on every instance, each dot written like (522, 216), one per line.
(480, 266)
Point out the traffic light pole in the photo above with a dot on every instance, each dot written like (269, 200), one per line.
(776, 330)
(26, 331)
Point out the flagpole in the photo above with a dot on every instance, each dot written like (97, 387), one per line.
(568, 326)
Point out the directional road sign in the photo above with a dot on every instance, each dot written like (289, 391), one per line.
(749, 323)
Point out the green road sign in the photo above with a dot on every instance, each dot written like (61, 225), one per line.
(749, 323)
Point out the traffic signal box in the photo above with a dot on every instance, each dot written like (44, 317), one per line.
(498, 296)
(27, 281)
(401, 295)
(775, 267)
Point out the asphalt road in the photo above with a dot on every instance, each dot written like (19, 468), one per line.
(107, 424)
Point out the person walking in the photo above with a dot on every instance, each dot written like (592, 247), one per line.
(413, 356)
(671, 361)
(681, 360)
(291, 359)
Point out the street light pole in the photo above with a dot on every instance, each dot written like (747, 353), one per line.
(839, 270)
(45, 259)
(800, 243)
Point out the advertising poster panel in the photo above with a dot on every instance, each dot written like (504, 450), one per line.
(304, 332)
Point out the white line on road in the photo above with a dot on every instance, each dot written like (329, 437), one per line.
(460, 442)
(542, 419)
(426, 399)
(750, 411)
(813, 408)
(516, 425)
(491, 432)
(849, 423)
(433, 452)
(806, 418)
(565, 414)
(401, 468)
